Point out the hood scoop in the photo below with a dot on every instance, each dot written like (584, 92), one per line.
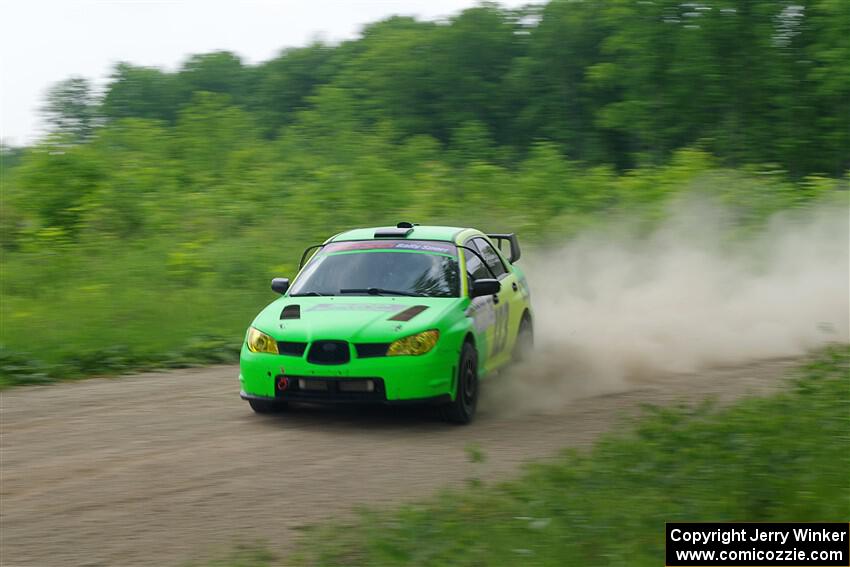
(408, 313)
(291, 312)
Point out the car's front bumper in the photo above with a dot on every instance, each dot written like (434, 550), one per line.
(393, 378)
(434, 400)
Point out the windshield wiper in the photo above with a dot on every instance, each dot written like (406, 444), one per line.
(308, 293)
(381, 291)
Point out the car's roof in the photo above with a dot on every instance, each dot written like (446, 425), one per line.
(444, 233)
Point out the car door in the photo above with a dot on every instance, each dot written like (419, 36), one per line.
(495, 312)
(510, 304)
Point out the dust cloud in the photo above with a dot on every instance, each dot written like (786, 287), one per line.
(613, 308)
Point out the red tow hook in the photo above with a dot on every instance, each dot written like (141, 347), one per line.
(282, 383)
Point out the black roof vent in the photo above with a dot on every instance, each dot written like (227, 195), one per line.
(393, 232)
(405, 224)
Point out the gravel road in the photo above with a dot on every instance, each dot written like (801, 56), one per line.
(163, 468)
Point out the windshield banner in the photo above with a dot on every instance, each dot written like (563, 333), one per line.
(413, 245)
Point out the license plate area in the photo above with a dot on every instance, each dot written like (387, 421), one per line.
(312, 385)
(331, 389)
(367, 385)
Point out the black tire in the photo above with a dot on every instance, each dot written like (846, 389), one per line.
(266, 406)
(524, 340)
(462, 409)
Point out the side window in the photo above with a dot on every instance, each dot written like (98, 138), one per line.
(491, 257)
(473, 264)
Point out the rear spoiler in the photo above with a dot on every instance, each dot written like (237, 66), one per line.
(512, 240)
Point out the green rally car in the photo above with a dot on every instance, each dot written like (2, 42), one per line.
(404, 314)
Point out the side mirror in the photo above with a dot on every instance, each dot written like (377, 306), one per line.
(485, 286)
(280, 285)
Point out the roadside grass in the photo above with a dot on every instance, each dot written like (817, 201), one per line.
(23, 368)
(90, 303)
(778, 458)
(135, 312)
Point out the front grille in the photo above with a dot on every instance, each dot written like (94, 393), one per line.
(329, 352)
(291, 348)
(329, 389)
(371, 350)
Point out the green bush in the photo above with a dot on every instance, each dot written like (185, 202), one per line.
(87, 299)
(780, 458)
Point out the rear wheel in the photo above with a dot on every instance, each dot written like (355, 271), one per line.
(462, 409)
(266, 406)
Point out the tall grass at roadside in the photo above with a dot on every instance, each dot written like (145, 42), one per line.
(183, 290)
(780, 458)
(73, 312)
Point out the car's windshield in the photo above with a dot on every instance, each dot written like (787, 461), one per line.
(379, 272)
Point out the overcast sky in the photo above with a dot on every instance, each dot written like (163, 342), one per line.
(45, 41)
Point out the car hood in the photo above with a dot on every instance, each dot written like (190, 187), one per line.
(352, 318)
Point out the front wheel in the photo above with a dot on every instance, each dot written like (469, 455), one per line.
(462, 409)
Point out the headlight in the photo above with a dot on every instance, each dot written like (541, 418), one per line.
(261, 342)
(414, 344)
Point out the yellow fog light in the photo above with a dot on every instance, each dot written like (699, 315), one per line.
(414, 344)
(261, 342)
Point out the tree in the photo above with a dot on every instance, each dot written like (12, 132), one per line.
(208, 130)
(472, 57)
(283, 84)
(71, 109)
(218, 72)
(141, 92)
(550, 87)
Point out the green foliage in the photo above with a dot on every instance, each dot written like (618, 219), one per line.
(763, 459)
(141, 92)
(610, 82)
(126, 237)
(71, 109)
(280, 87)
(18, 368)
(123, 250)
(474, 453)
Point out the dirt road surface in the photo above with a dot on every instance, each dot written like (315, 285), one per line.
(162, 468)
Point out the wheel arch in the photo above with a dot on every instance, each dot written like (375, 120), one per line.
(470, 338)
